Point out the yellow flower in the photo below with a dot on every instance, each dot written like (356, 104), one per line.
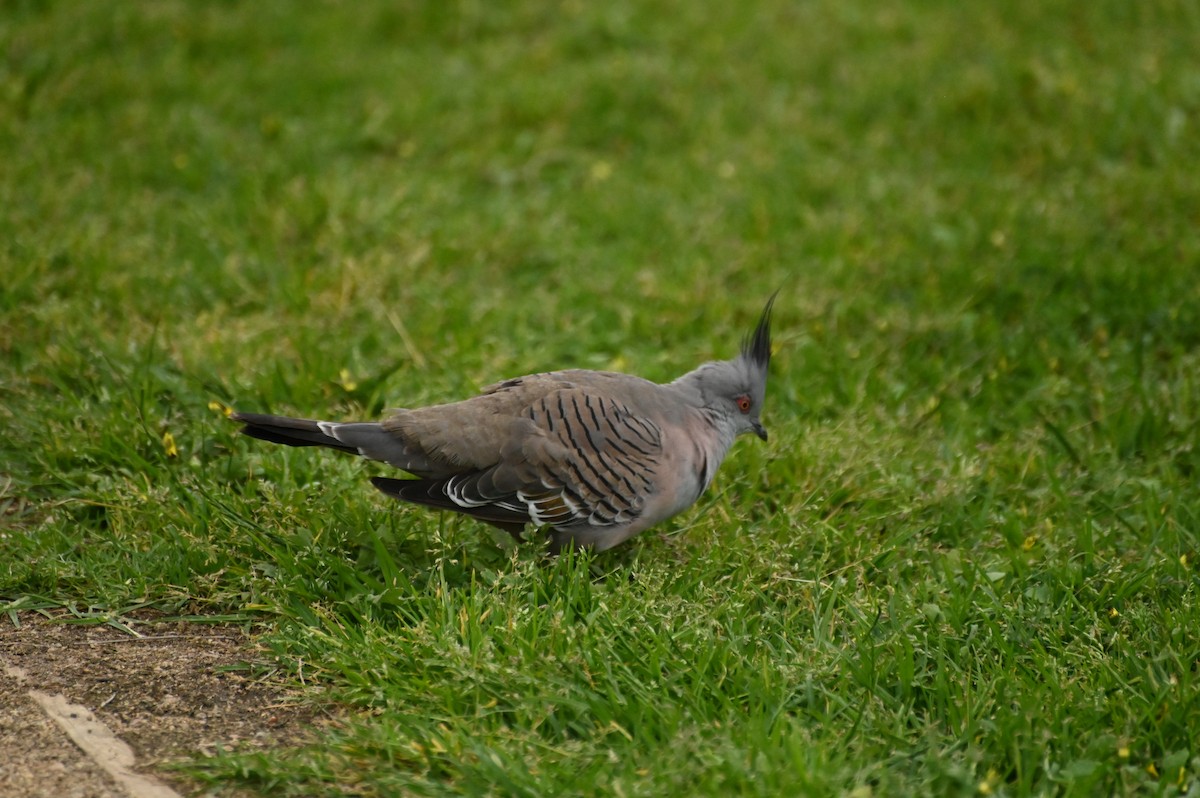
(347, 380)
(168, 442)
(220, 407)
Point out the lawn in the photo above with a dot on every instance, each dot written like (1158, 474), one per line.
(966, 562)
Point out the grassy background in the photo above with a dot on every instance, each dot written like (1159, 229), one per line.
(966, 562)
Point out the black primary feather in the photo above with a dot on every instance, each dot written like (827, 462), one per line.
(432, 493)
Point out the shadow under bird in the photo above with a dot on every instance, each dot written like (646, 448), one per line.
(595, 456)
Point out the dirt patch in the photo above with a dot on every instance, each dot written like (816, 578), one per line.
(167, 694)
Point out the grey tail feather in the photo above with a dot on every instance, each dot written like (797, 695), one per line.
(430, 493)
(288, 431)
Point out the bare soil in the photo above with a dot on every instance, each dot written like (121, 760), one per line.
(167, 694)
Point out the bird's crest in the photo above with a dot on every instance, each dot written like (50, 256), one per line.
(756, 347)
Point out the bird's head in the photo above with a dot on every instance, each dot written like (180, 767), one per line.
(735, 388)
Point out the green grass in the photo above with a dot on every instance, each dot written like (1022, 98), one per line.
(966, 562)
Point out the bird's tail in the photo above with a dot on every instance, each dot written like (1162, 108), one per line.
(289, 431)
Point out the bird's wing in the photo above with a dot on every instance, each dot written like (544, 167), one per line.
(573, 457)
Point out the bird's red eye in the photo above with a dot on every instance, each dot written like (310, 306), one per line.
(743, 403)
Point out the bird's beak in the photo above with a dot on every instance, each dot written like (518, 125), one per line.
(760, 430)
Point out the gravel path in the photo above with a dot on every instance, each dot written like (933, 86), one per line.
(163, 695)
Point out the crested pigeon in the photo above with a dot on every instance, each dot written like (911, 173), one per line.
(595, 456)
